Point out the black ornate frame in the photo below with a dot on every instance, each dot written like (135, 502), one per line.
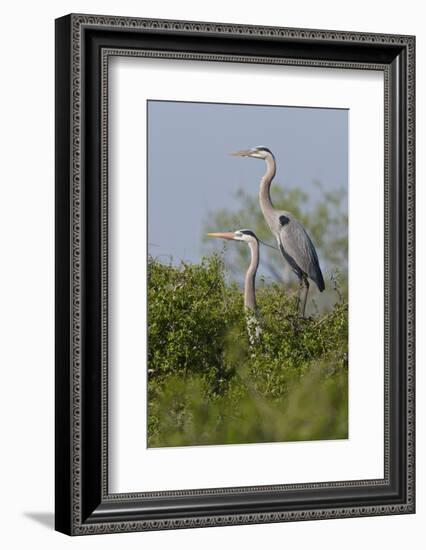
(83, 46)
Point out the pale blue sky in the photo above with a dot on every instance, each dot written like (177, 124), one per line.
(190, 171)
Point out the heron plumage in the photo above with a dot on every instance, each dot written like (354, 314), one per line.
(297, 247)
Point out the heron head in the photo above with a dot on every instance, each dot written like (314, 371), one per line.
(259, 152)
(244, 235)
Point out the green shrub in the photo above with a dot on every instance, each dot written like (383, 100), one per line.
(207, 385)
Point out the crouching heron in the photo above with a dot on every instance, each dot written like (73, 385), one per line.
(247, 236)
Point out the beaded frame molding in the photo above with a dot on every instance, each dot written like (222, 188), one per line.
(84, 44)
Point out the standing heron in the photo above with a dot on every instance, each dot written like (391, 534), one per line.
(292, 238)
(247, 236)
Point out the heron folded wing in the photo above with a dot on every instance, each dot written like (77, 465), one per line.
(300, 252)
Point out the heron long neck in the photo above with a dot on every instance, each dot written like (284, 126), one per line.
(265, 185)
(250, 281)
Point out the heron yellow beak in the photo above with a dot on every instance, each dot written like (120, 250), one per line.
(229, 236)
(245, 153)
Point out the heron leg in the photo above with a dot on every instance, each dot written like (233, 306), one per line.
(299, 292)
(305, 283)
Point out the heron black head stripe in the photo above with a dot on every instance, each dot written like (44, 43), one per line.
(262, 148)
(248, 232)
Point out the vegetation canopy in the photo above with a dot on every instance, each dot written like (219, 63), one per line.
(207, 384)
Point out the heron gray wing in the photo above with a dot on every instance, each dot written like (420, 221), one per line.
(298, 249)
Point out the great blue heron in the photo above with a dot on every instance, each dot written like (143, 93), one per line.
(252, 241)
(247, 236)
(293, 240)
